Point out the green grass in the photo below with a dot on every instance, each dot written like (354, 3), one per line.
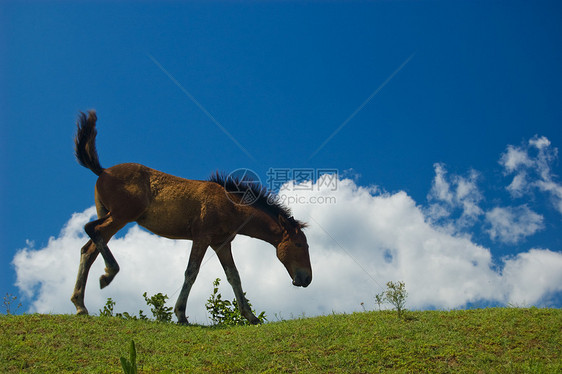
(504, 340)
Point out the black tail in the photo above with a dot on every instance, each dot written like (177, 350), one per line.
(85, 142)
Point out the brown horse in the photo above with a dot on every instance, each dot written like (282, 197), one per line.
(201, 211)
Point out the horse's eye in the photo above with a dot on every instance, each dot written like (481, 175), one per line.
(299, 245)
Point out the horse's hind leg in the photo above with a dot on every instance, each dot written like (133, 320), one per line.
(100, 231)
(87, 257)
(198, 250)
(224, 253)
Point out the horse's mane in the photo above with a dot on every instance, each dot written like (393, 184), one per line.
(265, 200)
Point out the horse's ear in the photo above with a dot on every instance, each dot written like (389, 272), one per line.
(294, 224)
(283, 222)
(289, 225)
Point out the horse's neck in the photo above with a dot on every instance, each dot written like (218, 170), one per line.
(260, 225)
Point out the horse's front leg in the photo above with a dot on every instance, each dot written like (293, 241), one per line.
(224, 253)
(197, 253)
(88, 255)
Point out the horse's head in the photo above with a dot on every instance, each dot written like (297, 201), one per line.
(292, 251)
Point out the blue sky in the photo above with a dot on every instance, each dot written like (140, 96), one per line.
(432, 95)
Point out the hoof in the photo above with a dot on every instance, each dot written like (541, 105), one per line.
(81, 311)
(183, 322)
(105, 280)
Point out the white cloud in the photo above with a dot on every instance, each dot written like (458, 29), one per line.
(441, 189)
(555, 190)
(532, 165)
(515, 158)
(512, 224)
(358, 242)
(531, 276)
(541, 143)
(519, 186)
(454, 193)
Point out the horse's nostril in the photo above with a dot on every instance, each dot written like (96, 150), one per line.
(302, 279)
(306, 281)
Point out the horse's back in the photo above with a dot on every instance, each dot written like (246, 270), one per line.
(165, 204)
(123, 190)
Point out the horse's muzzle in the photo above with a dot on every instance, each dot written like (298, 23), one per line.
(302, 279)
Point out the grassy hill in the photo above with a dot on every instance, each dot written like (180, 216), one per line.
(484, 340)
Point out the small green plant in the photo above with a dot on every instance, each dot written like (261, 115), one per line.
(379, 299)
(395, 295)
(130, 365)
(142, 316)
(126, 315)
(226, 312)
(107, 310)
(161, 312)
(9, 300)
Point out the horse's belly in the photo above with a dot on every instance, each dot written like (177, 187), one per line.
(166, 224)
